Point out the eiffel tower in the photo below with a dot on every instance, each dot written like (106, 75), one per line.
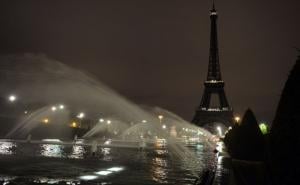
(207, 113)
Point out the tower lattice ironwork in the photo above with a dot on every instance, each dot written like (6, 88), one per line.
(214, 85)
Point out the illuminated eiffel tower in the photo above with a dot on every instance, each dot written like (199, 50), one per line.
(206, 113)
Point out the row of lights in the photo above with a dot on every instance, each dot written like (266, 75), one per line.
(81, 115)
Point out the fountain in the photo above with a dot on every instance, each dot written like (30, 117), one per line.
(59, 101)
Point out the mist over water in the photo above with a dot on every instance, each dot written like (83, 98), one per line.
(38, 80)
(40, 84)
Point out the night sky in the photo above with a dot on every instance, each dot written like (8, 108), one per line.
(155, 52)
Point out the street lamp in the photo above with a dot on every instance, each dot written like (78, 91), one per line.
(160, 117)
(12, 98)
(144, 121)
(53, 108)
(108, 122)
(80, 115)
(74, 124)
(46, 120)
(237, 119)
(61, 106)
(164, 126)
(101, 120)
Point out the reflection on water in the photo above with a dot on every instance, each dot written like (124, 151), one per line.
(7, 148)
(52, 150)
(44, 180)
(78, 152)
(109, 165)
(106, 154)
(159, 170)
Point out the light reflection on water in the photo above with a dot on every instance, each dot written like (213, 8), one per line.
(52, 150)
(157, 165)
(7, 148)
(78, 152)
(159, 172)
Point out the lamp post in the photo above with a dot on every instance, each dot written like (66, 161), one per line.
(160, 117)
(12, 98)
(237, 119)
(80, 116)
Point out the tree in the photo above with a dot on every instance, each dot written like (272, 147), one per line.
(246, 141)
(284, 135)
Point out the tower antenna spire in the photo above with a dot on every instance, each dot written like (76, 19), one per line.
(213, 5)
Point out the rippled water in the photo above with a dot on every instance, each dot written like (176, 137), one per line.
(74, 164)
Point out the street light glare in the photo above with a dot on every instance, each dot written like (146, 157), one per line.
(53, 108)
(61, 106)
(46, 120)
(160, 117)
(12, 98)
(80, 115)
(237, 119)
(101, 120)
(108, 122)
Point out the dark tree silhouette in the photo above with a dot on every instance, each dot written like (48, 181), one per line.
(246, 141)
(284, 135)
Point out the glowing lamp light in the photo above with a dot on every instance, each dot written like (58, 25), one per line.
(101, 120)
(81, 115)
(12, 98)
(144, 121)
(74, 124)
(61, 106)
(46, 120)
(53, 108)
(160, 117)
(108, 122)
(164, 126)
(237, 119)
(263, 128)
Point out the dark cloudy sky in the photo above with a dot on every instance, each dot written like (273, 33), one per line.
(155, 52)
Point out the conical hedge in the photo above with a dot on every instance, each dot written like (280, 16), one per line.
(246, 141)
(285, 132)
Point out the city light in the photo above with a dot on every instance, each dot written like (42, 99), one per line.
(61, 106)
(160, 117)
(144, 121)
(46, 120)
(263, 128)
(237, 119)
(12, 98)
(53, 108)
(164, 126)
(80, 115)
(101, 120)
(74, 124)
(108, 122)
